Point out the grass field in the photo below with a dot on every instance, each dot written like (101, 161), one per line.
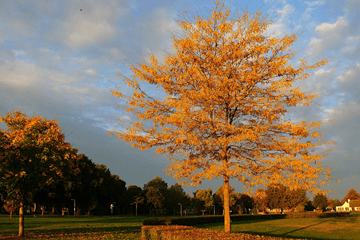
(69, 227)
(310, 228)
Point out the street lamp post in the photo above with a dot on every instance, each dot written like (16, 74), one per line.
(214, 208)
(74, 206)
(180, 209)
(136, 209)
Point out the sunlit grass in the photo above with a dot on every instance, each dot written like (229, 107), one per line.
(311, 228)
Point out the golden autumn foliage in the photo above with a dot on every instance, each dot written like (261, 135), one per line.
(33, 156)
(228, 88)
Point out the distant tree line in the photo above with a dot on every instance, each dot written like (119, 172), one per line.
(280, 197)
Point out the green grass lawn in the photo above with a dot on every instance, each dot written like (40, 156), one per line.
(69, 227)
(82, 227)
(310, 228)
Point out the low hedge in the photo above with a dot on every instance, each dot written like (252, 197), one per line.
(316, 214)
(192, 233)
(190, 221)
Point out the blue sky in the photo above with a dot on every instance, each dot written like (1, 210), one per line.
(56, 60)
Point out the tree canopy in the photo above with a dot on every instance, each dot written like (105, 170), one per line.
(228, 88)
(320, 201)
(34, 156)
(352, 195)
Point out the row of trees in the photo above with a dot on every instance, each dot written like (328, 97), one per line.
(278, 196)
(167, 200)
(38, 168)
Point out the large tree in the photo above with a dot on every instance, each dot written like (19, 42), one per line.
(220, 110)
(33, 157)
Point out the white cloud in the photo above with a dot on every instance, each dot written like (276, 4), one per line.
(328, 29)
(354, 38)
(45, 50)
(90, 72)
(350, 77)
(330, 36)
(280, 26)
(314, 3)
(19, 74)
(81, 33)
(96, 23)
(18, 52)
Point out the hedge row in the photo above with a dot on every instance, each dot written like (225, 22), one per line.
(192, 233)
(316, 214)
(190, 221)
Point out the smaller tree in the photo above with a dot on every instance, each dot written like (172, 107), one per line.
(352, 195)
(11, 206)
(206, 199)
(320, 201)
(276, 196)
(245, 202)
(176, 195)
(309, 206)
(219, 196)
(154, 198)
(260, 199)
(300, 208)
(159, 184)
(333, 203)
(131, 195)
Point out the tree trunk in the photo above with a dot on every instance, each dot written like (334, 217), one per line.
(21, 219)
(11, 214)
(227, 223)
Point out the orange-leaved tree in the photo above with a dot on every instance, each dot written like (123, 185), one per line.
(33, 157)
(228, 88)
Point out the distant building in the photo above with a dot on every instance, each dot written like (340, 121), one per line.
(349, 206)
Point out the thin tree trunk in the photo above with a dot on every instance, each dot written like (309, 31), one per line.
(226, 187)
(21, 219)
(11, 214)
(227, 223)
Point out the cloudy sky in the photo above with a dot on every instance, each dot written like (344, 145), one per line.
(58, 61)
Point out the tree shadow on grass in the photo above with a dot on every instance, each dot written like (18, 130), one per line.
(299, 229)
